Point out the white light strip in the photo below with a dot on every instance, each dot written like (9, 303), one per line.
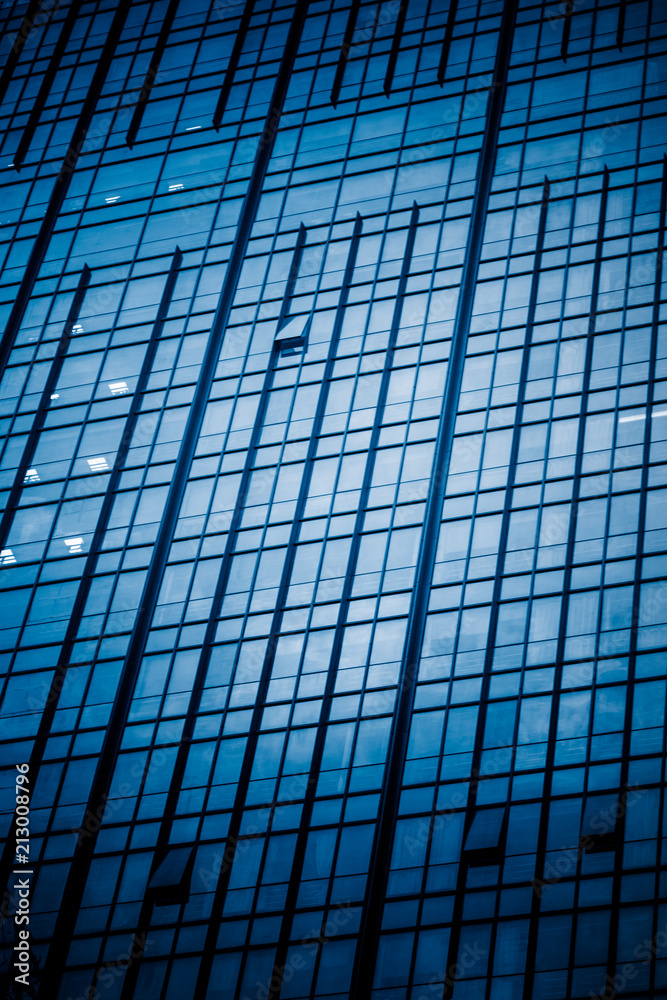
(642, 416)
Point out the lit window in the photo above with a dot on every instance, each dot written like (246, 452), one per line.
(74, 545)
(7, 557)
(31, 476)
(55, 395)
(118, 388)
(110, 201)
(642, 416)
(193, 128)
(77, 328)
(98, 464)
(175, 187)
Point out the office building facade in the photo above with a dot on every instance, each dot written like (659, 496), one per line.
(334, 394)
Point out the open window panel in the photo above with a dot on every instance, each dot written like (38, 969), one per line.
(170, 882)
(291, 337)
(599, 822)
(483, 844)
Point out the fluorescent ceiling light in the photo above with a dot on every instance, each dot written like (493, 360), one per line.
(118, 388)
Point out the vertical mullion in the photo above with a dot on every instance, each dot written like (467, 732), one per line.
(567, 24)
(344, 52)
(620, 30)
(567, 576)
(61, 183)
(44, 406)
(636, 622)
(20, 39)
(381, 854)
(239, 41)
(233, 835)
(84, 850)
(56, 687)
(395, 46)
(47, 81)
(293, 274)
(471, 803)
(151, 73)
(239, 802)
(327, 696)
(447, 41)
(211, 628)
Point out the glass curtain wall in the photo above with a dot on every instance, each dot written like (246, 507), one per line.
(334, 526)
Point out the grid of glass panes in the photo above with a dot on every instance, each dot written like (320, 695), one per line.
(317, 176)
(607, 737)
(428, 240)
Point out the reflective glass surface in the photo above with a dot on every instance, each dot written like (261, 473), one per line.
(333, 538)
